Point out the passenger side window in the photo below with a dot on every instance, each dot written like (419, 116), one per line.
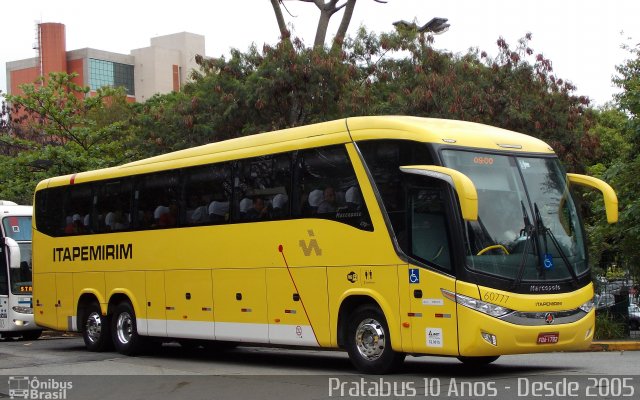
(50, 217)
(113, 206)
(429, 238)
(263, 188)
(207, 193)
(78, 210)
(329, 188)
(157, 198)
(384, 159)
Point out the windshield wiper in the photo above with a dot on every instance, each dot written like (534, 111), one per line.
(529, 231)
(547, 231)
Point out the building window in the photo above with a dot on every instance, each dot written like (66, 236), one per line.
(106, 73)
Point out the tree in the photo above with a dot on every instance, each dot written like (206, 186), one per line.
(516, 90)
(327, 10)
(395, 73)
(62, 130)
(619, 243)
(277, 87)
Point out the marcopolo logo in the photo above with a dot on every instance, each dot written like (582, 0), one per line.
(24, 387)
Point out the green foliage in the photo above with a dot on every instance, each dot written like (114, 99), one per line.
(58, 129)
(289, 84)
(281, 86)
(608, 328)
(619, 133)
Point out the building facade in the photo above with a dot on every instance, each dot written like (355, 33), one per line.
(162, 67)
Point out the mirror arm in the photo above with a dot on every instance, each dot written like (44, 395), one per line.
(609, 195)
(464, 187)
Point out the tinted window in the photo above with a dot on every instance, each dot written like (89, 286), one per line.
(384, 159)
(50, 218)
(157, 199)
(208, 194)
(329, 188)
(112, 210)
(263, 189)
(428, 236)
(77, 209)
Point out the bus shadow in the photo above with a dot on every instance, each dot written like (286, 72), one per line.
(338, 362)
(326, 362)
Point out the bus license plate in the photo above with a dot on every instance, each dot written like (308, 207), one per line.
(548, 338)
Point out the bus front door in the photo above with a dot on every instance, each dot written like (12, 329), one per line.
(432, 318)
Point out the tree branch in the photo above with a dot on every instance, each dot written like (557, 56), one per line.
(344, 23)
(284, 32)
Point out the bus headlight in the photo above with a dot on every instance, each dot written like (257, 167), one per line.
(588, 306)
(23, 310)
(486, 308)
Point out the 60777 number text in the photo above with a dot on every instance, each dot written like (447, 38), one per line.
(494, 297)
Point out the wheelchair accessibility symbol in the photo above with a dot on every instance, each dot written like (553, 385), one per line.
(548, 261)
(414, 275)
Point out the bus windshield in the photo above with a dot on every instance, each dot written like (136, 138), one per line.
(19, 229)
(528, 227)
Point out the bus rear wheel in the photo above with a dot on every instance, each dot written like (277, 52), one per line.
(124, 330)
(369, 343)
(95, 329)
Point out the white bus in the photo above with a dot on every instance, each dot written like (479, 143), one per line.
(16, 304)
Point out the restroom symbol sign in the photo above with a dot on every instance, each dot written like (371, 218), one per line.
(414, 275)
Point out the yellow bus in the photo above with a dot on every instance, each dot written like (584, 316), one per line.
(384, 236)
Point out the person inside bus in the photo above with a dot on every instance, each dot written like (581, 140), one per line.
(218, 211)
(244, 206)
(170, 218)
(115, 220)
(353, 199)
(200, 214)
(258, 211)
(74, 225)
(328, 204)
(313, 202)
(280, 205)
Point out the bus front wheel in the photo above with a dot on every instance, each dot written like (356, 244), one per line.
(124, 330)
(369, 343)
(95, 329)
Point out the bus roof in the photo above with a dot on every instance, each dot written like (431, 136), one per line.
(428, 130)
(13, 209)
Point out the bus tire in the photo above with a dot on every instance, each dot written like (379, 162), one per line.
(31, 335)
(96, 330)
(124, 330)
(369, 343)
(478, 361)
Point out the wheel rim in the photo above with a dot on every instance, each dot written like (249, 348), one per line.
(370, 339)
(124, 327)
(93, 327)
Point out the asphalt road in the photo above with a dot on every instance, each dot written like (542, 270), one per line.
(60, 367)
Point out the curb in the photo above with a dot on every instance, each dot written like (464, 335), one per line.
(615, 346)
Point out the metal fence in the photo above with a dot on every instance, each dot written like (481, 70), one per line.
(614, 299)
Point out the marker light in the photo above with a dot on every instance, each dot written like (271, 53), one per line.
(489, 338)
(588, 306)
(486, 308)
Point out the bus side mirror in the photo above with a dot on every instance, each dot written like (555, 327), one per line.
(14, 252)
(464, 187)
(610, 198)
